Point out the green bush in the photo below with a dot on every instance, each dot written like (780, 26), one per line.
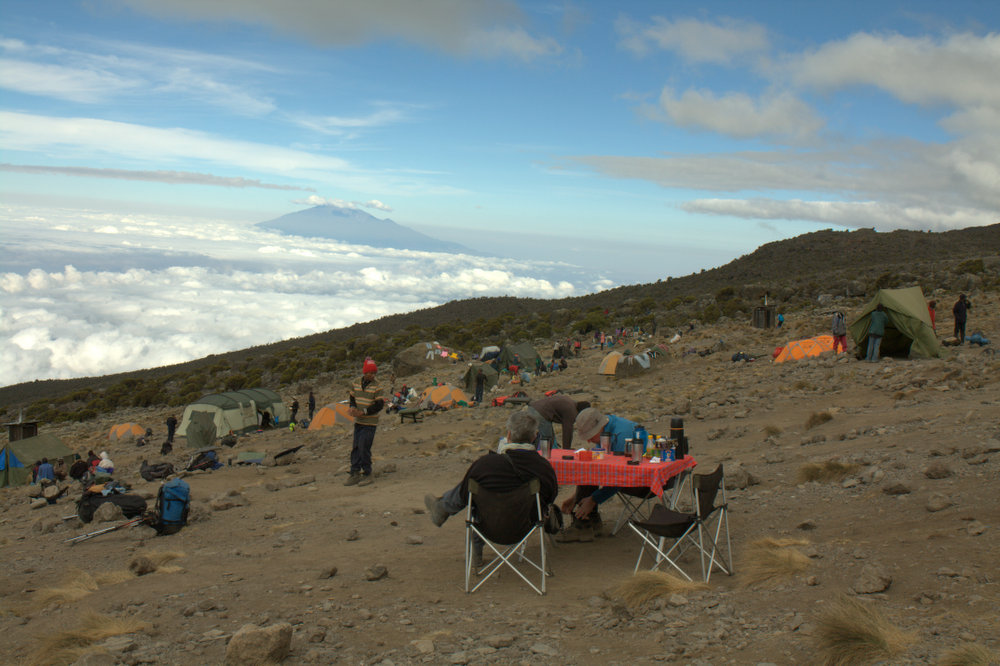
(971, 266)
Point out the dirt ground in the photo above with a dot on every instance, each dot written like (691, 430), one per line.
(917, 505)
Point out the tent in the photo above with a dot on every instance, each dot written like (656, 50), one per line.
(333, 414)
(215, 415)
(620, 364)
(469, 378)
(522, 354)
(908, 333)
(126, 432)
(808, 347)
(16, 458)
(443, 395)
(488, 353)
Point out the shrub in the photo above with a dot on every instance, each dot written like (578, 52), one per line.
(854, 632)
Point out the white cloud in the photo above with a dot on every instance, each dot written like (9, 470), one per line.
(69, 83)
(487, 28)
(168, 177)
(719, 42)
(103, 314)
(738, 115)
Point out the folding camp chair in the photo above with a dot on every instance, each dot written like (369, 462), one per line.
(638, 507)
(664, 524)
(503, 522)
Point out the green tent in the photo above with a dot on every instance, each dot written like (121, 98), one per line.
(469, 378)
(233, 410)
(17, 458)
(522, 354)
(908, 333)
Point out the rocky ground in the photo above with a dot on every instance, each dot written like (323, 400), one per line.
(909, 522)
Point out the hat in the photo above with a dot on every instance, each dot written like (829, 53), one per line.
(369, 367)
(589, 422)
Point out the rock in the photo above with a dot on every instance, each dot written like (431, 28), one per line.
(873, 579)
(812, 581)
(256, 646)
(937, 470)
(376, 572)
(544, 650)
(677, 600)
(329, 572)
(938, 502)
(807, 525)
(39, 503)
(975, 528)
(46, 525)
(499, 640)
(34, 490)
(50, 492)
(423, 646)
(95, 659)
(896, 489)
(414, 540)
(352, 535)
(738, 478)
(108, 512)
(141, 566)
(231, 499)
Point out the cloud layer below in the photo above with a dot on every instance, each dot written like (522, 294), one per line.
(102, 293)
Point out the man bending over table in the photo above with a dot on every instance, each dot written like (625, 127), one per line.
(590, 424)
(516, 463)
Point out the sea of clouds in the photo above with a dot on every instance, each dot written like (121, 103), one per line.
(86, 293)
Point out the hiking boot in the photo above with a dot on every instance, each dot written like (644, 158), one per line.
(553, 521)
(575, 532)
(436, 511)
(353, 479)
(365, 480)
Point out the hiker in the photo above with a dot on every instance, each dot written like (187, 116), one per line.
(876, 329)
(295, 409)
(45, 471)
(92, 458)
(312, 405)
(558, 408)
(104, 465)
(502, 471)
(563, 364)
(781, 320)
(59, 469)
(584, 503)
(961, 310)
(480, 385)
(839, 329)
(576, 347)
(265, 420)
(365, 406)
(171, 428)
(932, 311)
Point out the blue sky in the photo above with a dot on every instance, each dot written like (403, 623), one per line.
(623, 141)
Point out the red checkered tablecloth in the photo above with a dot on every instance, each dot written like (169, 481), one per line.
(615, 471)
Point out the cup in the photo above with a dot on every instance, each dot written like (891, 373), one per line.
(605, 441)
(545, 446)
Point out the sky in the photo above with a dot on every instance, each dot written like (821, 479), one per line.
(585, 144)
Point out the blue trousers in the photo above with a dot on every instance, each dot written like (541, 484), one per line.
(361, 452)
(874, 342)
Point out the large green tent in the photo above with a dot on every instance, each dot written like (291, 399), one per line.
(469, 378)
(17, 458)
(233, 410)
(908, 333)
(522, 354)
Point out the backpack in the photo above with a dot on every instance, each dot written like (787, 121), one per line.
(839, 324)
(155, 471)
(172, 505)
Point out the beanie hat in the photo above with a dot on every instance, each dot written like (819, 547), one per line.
(589, 422)
(369, 367)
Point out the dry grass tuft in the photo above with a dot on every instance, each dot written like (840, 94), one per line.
(113, 577)
(818, 418)
(831, 470)
(770, 559)
(161, 557)
(970, 654)
(771, 430)
(853, 632)
(67, 646)
(78, 585)
(647, 585)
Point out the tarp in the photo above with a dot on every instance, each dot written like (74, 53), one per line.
(805, 348)
(17, 458)
(126, 432)
(330, 415)
(444, 395)
(909, 332)
(522, 354)
(469, 378)
(623, 365)
(489, 352)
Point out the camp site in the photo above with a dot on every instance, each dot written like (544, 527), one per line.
(843, 479)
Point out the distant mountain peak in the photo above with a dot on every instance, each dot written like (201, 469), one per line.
(351, 225)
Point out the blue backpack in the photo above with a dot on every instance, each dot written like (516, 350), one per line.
(172, 506)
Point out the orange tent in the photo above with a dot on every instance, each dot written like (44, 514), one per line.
(333, 414)
(126, 432)
(444, 395)
(797, 349)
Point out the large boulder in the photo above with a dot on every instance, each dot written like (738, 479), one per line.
(255, 646)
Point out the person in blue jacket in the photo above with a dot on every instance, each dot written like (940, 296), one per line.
(583, 505)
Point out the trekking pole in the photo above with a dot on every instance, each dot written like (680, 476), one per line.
(83, 537)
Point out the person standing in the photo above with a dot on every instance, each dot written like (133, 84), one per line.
(295, 409)
(171, 427)
(365, 406)
(839, 330)
(961, 311)
(312, 405)
(558, 408)
(876, 330)
(480, 385)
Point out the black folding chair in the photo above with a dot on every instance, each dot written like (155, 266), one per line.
(665, 524)
(503, 522)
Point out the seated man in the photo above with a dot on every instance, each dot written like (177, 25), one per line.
(590, 424)
(515, 464)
